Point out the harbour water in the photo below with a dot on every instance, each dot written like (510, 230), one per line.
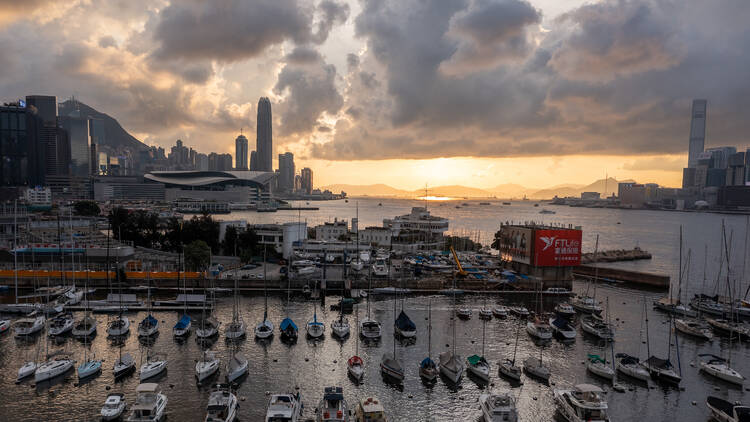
(311, 366)
(275, 366)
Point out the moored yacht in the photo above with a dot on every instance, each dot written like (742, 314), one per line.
(4, 325)
(498, 407)
(182, 327)
(380, 268)
(264, 329)
(332, 407)
(370, 410)
(207, 366)
(451, 367)
(118, 326)
(500, 312)
(114, 407)
(209, 328)
(155, 365)
(150, 404)
(538, 329)
(661, 369)
(479, 367)
(85, 328)
(404, 327)
(390, 367)
(355, 367)
(693, 328)
(315, 328)
(222, 405)
(26, 370)
(562, 328)
(582, 403)
(284, 407)
(148, 327)
(369, 329)
(631, 366)
(508, 369)
(564, 309)
(61, 325)
(586, 305)
(29, 326)
(57, 364)
(534, 367)
(598, 366)
(236, 367)
(597, 327)
(725, 411)
(719, 368)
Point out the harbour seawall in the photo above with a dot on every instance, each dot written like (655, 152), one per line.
(635, 278)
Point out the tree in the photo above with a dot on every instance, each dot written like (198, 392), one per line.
(248, 245)
(197, 255)
(87, 208)
(229, 245)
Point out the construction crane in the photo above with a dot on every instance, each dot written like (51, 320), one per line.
(460, 272)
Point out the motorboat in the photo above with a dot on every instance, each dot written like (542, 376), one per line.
(693, 328)
(451, 367)
(307, 270)
(498, 407)
(28, 369)
(61, 325)
(118, 326)
(534, 367)
(56, 364)
(182, 327)
(89, 367)
(582, 403)
(562, 328)
(380, 268)
(500, 312)
(726, 411)
(264, 329)
(209, 328)
(508, 369)
(4, 325)
(597, 327)
(390, 367)
(284, 407)
(235, 330)
(355, 367)
(207, 366)
(148, 327)
(124, 365)
(631, 366)
(222, 405)
(586, 305)
(479, 367)
(428, 370)
(357, 264)
(598, 366)
(85, 328)
(564, 310)
(29, 326)
(114, 407)
(364, 256)
(332, 407)
(390, 290)
(315, 328)
(150, 404)
(236, 367)
(155, 365)
(288, 330)
(719, 367)
(404, 327)
(485, 313)
(519, 311)
(340, 327)
(538, 329)
(661, 370)
(369, 329)
(370, 410)
(463, 313)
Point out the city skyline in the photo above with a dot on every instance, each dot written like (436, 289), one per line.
(538, 97)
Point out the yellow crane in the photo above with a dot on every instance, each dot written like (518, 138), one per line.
(461, 272)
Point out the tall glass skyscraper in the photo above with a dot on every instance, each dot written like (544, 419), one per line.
(264, 140)
(697, 131)
(240, 153)
(77, 127)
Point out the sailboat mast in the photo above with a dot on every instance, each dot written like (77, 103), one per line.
(15, 246)
(429, 328)
(648, 341)
(596, 267)
(679, 275)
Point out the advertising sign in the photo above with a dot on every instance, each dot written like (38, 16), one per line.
(515, 244)
(557, 247)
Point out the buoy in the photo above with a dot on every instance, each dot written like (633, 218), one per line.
(335, 361)
(107, 388)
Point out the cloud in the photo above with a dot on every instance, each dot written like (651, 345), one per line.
(303, 55)
(655, 163)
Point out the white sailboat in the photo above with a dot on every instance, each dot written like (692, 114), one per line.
(207, 366)
(357, 264)
(156, 363)
(340, 327)
(428, 370)
(25, 327)
(315, 328)
(90, 366)
(508, 368)
(718, 367)
(60, 325)
(355, 366)
(57, 364)
(149, 326)
(390, 366)
(182, 328)
(236, 366)
(264, 329)
(586, 304)
(369, 328)
(236, 329)
(86, 327)
(449, 363)
(477, 365)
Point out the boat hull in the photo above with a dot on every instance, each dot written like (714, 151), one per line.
(52, 369)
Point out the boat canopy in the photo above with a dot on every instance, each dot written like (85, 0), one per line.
(333, 394)
(150, 320)
(474, 359)
(183, 322)
(659, 363)
(427, 363)
(404, 323)
(627, 359)
(560, 323)
(286, 324)
(596, 358)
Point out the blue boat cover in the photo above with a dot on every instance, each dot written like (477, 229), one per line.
(150, 320)
(183, 322)
(286, 324)
(560, 323)
(427, 363)
(404, 323)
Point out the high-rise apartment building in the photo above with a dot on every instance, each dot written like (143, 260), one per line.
(286, 172)
(307, 180)
(240, 153)
(697, 131)
(264, 140)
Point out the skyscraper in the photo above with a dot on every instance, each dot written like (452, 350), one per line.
(286, 172)
(240, 153)
(253, 161)
(77, 127)
(264, 140)
(52, 140)
(307, 180)
(697, 131)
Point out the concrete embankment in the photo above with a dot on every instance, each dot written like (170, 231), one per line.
(634, 278)
(615, 255)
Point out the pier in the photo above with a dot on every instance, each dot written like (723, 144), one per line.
(658, 282)
(615, 255)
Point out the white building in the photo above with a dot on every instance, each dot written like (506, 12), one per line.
(282, 237)
(331, 231)
(375, 236)
(419, 220)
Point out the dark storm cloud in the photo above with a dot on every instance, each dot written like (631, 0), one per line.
(303, 55)
(612, 77)
(332, 14)
(107, 41)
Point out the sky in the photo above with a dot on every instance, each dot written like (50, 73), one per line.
(406, 93)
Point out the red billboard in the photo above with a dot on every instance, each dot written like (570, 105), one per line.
(557, 247)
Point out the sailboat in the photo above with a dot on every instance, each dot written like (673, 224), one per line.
(390, 367)
(315, 328)
(586, 304)
(660, 369)
(156, 363)
(428, 370)
(207, 366)
(90, 366)
(596, 326)
(449, 363)
(357, 264)
(537, 327)
(120, 326)
(477, 365)
(209, 325)
(689, 324)
(264, 329)
(86, 327)
(532, 365)
(355, 366)
(237, 364)
(150, 325)
(182, 328)
(369, 328)
(236, 329)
